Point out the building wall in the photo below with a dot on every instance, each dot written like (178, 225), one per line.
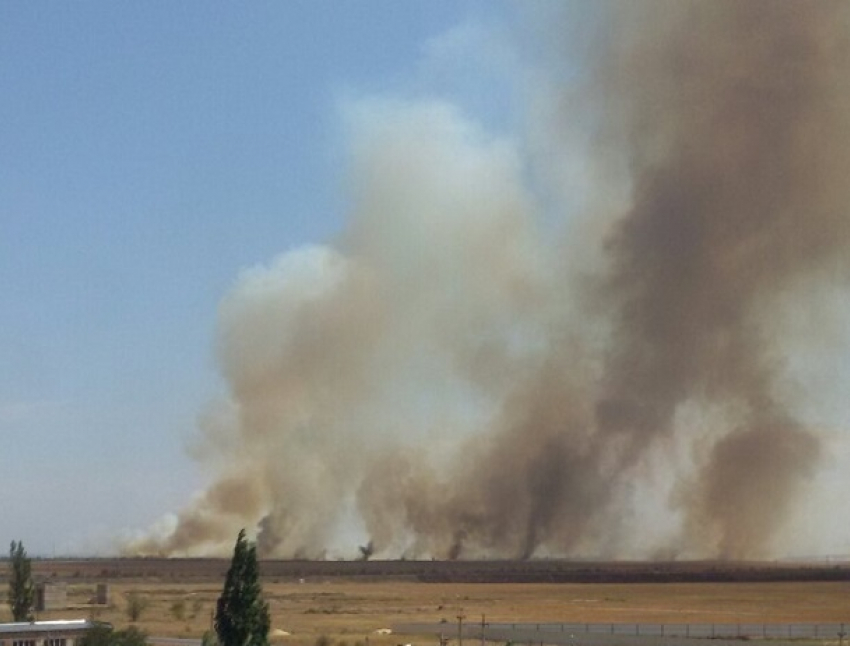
(44, 633)
(51, 596)
(54, 638)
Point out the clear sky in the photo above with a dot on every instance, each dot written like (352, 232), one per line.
(148, 153)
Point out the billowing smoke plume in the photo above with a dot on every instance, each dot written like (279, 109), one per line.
(451, 374)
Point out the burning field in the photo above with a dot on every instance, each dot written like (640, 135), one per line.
(586, 340)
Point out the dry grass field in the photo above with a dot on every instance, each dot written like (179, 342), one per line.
(350, 611)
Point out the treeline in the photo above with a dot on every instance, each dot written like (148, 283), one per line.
(528, 571)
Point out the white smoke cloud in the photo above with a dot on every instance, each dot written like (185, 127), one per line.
(401, 335)
(459, 374)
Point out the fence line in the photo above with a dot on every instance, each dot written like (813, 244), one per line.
(617, 634)
(736, 630)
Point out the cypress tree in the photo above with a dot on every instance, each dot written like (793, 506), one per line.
(241, 616)
(21, 589)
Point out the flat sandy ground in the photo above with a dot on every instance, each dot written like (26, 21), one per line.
(352, 611)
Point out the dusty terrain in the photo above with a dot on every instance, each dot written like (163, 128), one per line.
(179, 601)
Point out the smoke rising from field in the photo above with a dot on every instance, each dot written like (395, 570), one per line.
(451, 375)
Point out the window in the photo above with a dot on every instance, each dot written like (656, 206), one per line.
(23, 642)
(59, 641)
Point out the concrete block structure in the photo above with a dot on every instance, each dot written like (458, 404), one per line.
(51, 596)
(101, 596)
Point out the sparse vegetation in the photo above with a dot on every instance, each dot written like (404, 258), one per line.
(178, 609)
(197, 604)
(136, 605)
(366, 605)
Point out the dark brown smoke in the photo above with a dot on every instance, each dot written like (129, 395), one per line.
(735, 116)
(443, 377)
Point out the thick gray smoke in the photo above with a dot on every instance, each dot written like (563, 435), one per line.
(457, 384)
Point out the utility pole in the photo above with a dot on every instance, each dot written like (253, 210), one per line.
(483, 625)
(460, 618)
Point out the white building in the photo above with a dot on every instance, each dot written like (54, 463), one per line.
(44, 633)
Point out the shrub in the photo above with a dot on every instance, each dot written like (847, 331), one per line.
(178, 610)
(136, 605)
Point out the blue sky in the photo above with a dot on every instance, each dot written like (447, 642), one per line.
(150, 151)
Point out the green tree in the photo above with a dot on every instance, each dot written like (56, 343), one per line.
(103, 635)
(130, 636)
(21, 588)
(241, 615)
(98, 635)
